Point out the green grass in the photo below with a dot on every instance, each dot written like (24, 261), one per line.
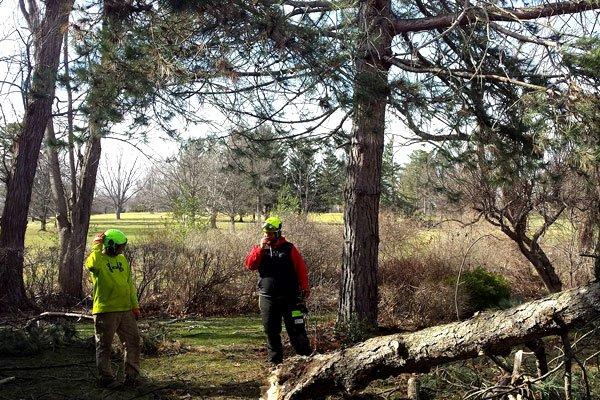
(327, 218)
(223, 358)
(217, 358)
(135, 225)
(139, 225)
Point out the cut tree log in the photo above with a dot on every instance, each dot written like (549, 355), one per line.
(352, 369)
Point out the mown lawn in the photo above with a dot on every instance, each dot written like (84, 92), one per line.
(139, 225)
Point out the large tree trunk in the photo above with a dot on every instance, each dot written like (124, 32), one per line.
(352, 369)
(71, 280)
(18, 191)
(358, 287)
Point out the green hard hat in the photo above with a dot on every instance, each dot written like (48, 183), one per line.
(114, 237)
(272, 224)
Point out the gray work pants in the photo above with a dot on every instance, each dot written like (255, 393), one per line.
(125, 326)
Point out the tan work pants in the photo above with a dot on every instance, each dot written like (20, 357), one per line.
(123, 324)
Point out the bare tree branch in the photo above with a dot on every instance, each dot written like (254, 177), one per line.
(476, 14)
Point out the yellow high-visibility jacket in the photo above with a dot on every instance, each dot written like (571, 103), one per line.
(111, 278)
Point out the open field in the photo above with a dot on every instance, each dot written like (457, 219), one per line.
(141, 224)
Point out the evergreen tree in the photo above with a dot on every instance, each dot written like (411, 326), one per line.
(390, 171)
(414, 183)
(330, 179)
(301, 173)
(262, 161)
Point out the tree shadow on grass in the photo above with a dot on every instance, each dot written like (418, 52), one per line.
(232, 390)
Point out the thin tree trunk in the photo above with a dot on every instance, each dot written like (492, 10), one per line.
(63, 205)
(542, 264)
(351, 369)
(70, 130)
(18, 191)
(62, 208)
(358, 287)
(232, 223)
(213, 219)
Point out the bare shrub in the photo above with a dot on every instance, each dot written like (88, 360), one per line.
(418, 292)
(40, 271)
(564, 248)
(418, 278)
(179, 271)
(198, 274)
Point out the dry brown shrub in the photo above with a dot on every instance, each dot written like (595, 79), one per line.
(417, 292)
(420, 265)
(40, 274)
(203, 272)
(199, 274)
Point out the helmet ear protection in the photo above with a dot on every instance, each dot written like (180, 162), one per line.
(273, 224)
(111, 246)
(113, 238)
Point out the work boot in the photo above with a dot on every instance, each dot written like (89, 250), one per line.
(134, 381)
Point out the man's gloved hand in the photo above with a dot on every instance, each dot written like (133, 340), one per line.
(99, 238)
(301, 306)
(136, 312)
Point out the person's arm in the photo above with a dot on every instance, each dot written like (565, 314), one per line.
(253, 258)
(301, 271)
(90, 262)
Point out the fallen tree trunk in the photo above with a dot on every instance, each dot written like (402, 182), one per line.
(52, 314)
(351, 369)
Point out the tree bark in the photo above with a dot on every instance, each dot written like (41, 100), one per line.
(18, 191)
(58, 193)
(358, 286)
(542, 264)
(353, 368)
(213, 219)
(72, 271)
